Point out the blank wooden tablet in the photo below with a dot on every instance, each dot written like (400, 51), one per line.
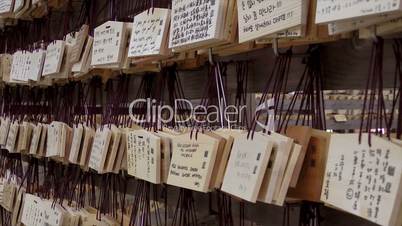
(301, 135)
(4, 127)
(280, 196)
(273, 177)
(311, 177)
(246, 167)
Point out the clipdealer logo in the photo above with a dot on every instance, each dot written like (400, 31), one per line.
(230, 114)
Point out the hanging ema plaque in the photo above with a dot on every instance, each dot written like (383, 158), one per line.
(261, 18)
(196, 23)
(364, 180)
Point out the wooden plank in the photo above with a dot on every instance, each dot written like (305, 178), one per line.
(311, 177)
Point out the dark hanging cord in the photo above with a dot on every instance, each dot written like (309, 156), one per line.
(374, 115)
(308, 95)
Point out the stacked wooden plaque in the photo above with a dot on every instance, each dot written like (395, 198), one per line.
(345, 16)
(267, 18)
(197, 26)
(109, 45)
(263, 172)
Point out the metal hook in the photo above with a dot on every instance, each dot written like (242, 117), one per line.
(355, 38)
(355, 41)
(210, 57)
(160, 65)
(374, 33)
(275, 47)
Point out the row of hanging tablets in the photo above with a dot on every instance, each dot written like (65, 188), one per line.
(157, 33)
(305, 164)
(31, 210)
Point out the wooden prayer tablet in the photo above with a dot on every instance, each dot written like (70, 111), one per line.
(126, 61)
(228, 32)
(36, 211)
(87, 65)
(215, 181)
(363, 180)
(301, 35)
(6, 7)
(192, 161)
(59, 141)
(55, 137)
(145, 147)
(131, 156)
(246, 167)
(311, 177)
(54, 58)
(18, 5)
(24, 137)
(149, 35)
(16, 66)
(121, 153)
(3, 180)
(109, 42)
(43, 141)
(35, 139)
(79, 67)
(17, 212)
(340, 10)
(229, 135)
(31, 210)
(22, 8)
(37, 60)
(279, 197)
(100, 148)
(20, 67)
(67, 142)
(65, 68)
(195, 23)
(274, 174)
(262, 18)
(26, 66)
(301, 135)
(53, 214)
(113, 149)
(166, 153)
(9, 192)
(6, 61)
(12, 137)
(72, 216)
(231, 22)
(347, 26)
(86, 147)
(78, 131)
(79, 43)
(4, 128)
(124, 160)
